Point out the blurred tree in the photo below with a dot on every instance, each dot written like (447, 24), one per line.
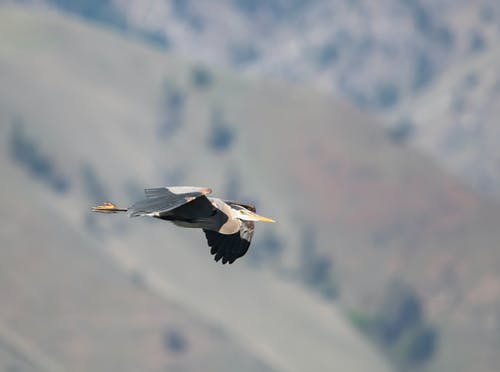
(156, 38)
(387, 95)
(97, 10)
(105, 12)
(173, 110)
(175, 341)
(400, 311)
(201, 77)
(471, 80)
(278, 9)
(24, 150)
(243, 53)
(267, 249)
(399, 327)
(477, 42)
(423, 71)
(328, 54)
(487, 13)
(221, 136)
(138, 280)
(416, 346)
(316, 271)
(444, 36)
(402, 131)
(185, 11)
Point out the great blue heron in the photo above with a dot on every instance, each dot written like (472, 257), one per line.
(228, 225)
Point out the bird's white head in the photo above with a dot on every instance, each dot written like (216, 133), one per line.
(247, 215)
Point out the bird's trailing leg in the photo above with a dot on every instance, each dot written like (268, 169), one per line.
(108, 207)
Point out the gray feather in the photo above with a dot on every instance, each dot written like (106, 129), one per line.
(163, 199)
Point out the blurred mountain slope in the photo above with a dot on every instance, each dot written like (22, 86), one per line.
(84, 119)
(386, 205)
(73, 308)
(121, 116)
(380, 56)
(456, 120)
(383, 212)
(375, 54)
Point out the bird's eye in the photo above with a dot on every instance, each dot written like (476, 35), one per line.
(242, 211)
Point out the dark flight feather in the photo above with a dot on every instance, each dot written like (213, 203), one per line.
(230, 247)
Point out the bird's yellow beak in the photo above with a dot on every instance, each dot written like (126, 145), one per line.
(264, 219)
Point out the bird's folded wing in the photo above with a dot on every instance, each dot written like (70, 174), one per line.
(164, 199)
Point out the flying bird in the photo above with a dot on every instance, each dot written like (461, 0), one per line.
(228, 225)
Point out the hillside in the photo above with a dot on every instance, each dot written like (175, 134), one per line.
(108, 116)
(70, 307)
(456, 120)
(381, 57)
(80, 110)
(376, 55)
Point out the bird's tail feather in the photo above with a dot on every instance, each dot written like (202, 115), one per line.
(108, 207)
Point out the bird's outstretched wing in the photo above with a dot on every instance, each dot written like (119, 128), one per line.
(229, 247)
(164, 199)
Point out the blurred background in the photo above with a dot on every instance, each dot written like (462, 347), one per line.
(369, 130)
